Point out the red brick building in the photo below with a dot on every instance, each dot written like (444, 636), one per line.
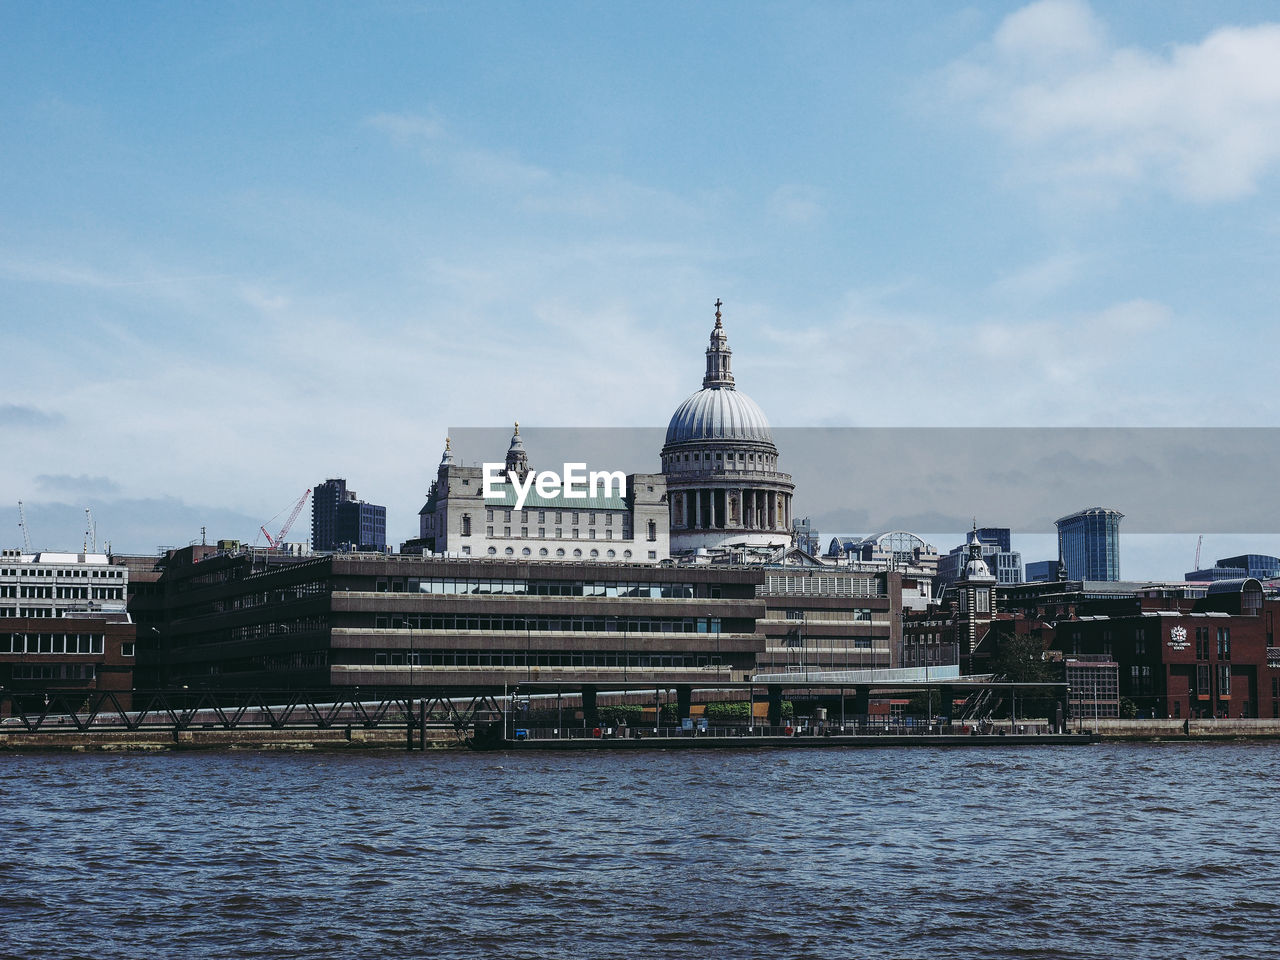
(1178, 656)
(73, 654)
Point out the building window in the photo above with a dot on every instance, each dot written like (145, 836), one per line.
(127, 649)
(575, 533)
(608, 519)
(653, 554)
(488, 514)
(559, 517)
(542, 516)
(592, 532)
(559, 533)
(653, 531)
(506, 531)
(466, 524)
(488, 531)
(591, 518)
(542, 532)
(524, 532)
(506, 516)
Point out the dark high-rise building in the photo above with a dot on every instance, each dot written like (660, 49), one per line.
(340, 519)
(363, 525)
(1090, 543)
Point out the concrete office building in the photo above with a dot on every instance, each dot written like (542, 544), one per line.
(64, 625)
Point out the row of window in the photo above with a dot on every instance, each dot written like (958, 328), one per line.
(53, 671)
(247, 601)
(51, 642)
(575, 533)
(42, 592)
(560, 553)
(539, 658)
(823, 586)
(464, 622)
(1203, 643)
(765, 461)
(108, 573)
(547, 588)
(559, 516)
(260, 631)
(857, 615)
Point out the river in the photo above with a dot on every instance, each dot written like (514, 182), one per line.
(1124, 850)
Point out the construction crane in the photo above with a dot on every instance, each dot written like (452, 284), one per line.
(22, 525)
(90, 532)
(278, 540)
(1199, 541)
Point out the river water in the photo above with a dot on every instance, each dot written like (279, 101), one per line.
(1161, 850)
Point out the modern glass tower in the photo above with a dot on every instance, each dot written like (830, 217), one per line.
(1089, 541)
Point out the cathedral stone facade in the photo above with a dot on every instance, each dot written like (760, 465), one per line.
(457, 520)
(721, 466)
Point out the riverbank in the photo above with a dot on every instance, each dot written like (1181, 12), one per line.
(340, 739)
(390, 738)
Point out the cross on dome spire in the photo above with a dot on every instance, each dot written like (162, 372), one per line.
(719, 375)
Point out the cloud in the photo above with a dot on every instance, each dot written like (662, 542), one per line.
(796, 203)
(15, 415)
(1039, 280)
(437, 143)
(83, 484)
(1200, 121)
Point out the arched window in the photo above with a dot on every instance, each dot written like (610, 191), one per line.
(653, 530)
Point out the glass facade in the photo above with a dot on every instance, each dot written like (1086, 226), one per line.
(1091, 544)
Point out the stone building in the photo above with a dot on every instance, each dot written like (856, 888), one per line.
(721, 465)
(458, 520)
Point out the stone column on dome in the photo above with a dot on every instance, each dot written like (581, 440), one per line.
(697, 509)
(773, 510)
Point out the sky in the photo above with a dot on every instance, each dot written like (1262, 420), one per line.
(245, 247)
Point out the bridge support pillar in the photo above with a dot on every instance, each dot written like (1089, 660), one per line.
(946, 700)
(684, 701)
(862, 704)
(775, 705)
(590, 715)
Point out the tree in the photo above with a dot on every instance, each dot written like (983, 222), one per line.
(1020, 659)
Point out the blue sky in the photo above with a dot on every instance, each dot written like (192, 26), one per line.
(244, 247)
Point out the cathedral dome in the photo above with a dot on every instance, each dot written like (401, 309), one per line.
(718, 413)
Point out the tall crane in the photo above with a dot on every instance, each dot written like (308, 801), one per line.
(1199, 541)
(278, 540)
(22, 525)
(90, 532)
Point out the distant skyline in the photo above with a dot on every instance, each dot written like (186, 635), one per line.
(247, 247)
